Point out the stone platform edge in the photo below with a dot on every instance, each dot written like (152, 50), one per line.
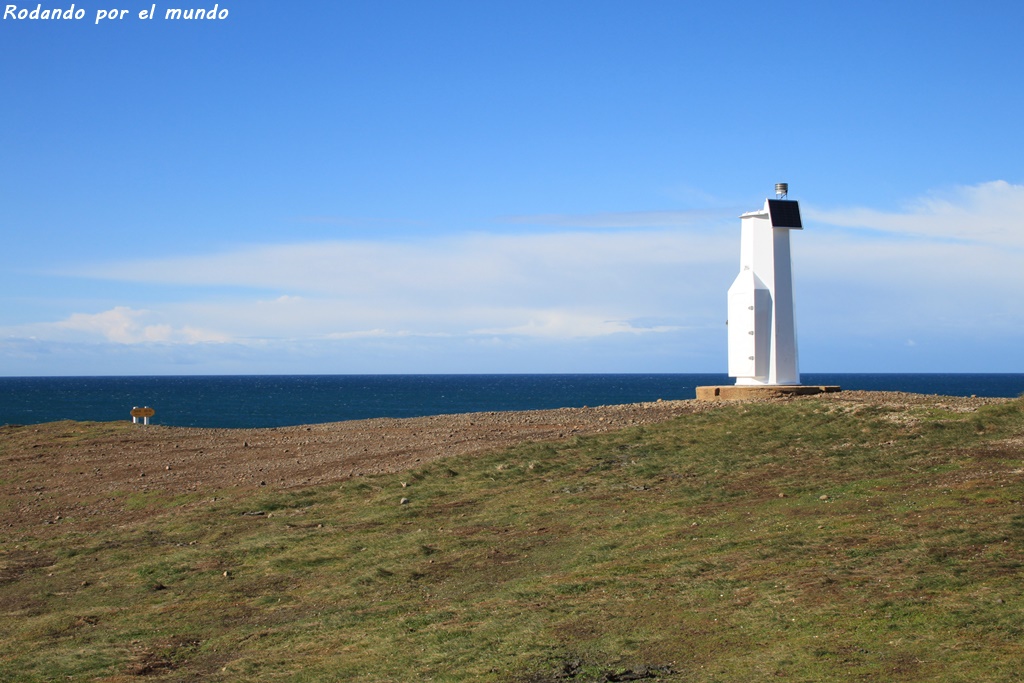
(733, 392)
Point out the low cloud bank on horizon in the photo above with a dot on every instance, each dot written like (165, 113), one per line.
(946, 266)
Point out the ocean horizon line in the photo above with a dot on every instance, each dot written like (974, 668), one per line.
(282, 400)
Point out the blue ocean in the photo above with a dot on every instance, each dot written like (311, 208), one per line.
(280, 400)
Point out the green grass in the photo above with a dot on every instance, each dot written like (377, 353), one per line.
(805, 540)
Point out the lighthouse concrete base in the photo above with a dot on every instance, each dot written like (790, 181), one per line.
(733, 392)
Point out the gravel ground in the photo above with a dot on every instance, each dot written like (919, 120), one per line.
(54, 475)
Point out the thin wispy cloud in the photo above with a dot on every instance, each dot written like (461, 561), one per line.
(560, 285)
(355, 222)
(861, 273)
(560, 324)
(470, 260)
(989, 213)
(124, 325)
(625, 219)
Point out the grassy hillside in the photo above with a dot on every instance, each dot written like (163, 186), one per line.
(809, 540)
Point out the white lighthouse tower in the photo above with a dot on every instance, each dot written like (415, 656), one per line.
(762, 324)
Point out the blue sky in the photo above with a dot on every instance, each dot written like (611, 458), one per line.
(418, 187)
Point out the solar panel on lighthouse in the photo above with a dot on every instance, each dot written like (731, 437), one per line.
(785, 213)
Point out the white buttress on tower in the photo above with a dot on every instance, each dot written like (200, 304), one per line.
(762, 326)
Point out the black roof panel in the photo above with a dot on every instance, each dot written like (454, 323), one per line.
(785, 213)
